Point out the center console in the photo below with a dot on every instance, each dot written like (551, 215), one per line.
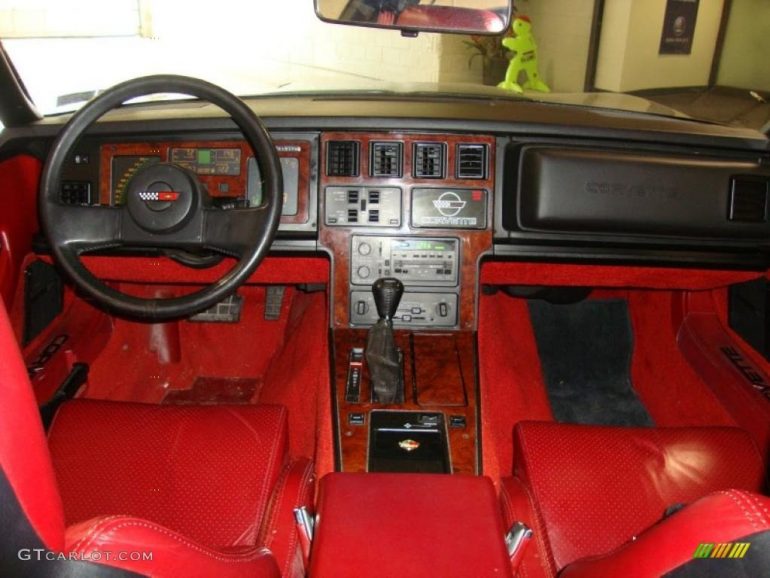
(416, 208)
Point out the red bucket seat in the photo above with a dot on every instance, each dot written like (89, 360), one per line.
(596, 497)
(132, 489)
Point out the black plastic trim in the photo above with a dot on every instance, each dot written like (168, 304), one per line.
(633, 256)
(16, 107)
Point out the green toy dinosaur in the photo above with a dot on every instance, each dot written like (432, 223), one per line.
(522, 44)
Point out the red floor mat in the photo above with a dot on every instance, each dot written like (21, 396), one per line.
(299, 379)
(215, 390)
(154, 359)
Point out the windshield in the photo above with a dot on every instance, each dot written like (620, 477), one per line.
(706, 59)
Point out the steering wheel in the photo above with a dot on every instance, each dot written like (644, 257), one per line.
(166, 206)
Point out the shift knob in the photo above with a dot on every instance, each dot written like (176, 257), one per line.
(387, 295)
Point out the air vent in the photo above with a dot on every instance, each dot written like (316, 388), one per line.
(428, 160)
(374, 216)
(471, 161)
(342, 158)
(748, 199)
(386, 159)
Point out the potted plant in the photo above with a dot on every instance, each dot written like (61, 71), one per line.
(494, 56)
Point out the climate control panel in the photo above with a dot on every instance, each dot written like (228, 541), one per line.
(363, 206)
(427, 262)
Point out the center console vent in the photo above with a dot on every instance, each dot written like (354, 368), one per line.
(386, 159)
(428, 160)
(342, 158)
(471, 161)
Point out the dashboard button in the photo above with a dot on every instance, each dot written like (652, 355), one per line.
(364, 271)
(364, 248)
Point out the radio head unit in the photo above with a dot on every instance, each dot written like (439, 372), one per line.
(426, 262)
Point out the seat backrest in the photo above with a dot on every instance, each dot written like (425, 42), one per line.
(597, 487)
(206, 472)
(28, 487)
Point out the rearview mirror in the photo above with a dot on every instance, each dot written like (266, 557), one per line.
(454, 16)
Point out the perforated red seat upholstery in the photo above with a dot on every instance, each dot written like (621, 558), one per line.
(205, 472)
(587, 490)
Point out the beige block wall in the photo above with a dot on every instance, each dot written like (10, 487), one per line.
(628, 56)
(745, 61)
(562, 30)
(367, 53)
(616, 21)
(455, 64)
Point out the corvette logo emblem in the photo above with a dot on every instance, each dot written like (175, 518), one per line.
(408, 445)
(449, 204)
(159, 195)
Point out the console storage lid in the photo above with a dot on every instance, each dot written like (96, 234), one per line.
(408, 525)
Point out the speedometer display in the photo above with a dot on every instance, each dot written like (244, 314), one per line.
(124, 167)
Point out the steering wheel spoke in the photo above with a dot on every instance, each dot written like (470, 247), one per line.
(234, 232)
(83, 229)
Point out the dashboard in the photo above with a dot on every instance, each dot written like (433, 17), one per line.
(425, 189)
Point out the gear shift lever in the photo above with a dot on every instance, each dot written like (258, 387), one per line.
(387, 295)
(381, 353)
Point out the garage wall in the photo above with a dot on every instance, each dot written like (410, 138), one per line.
(628, 56)
(49, 19)
(745, 61)
(562, 30)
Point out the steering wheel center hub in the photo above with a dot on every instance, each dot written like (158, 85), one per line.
(162, 198)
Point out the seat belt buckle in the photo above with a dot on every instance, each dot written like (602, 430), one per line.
(516, 540)
(305, 528)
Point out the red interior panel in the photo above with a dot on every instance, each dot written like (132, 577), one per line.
(24, 454)
(19, 177)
